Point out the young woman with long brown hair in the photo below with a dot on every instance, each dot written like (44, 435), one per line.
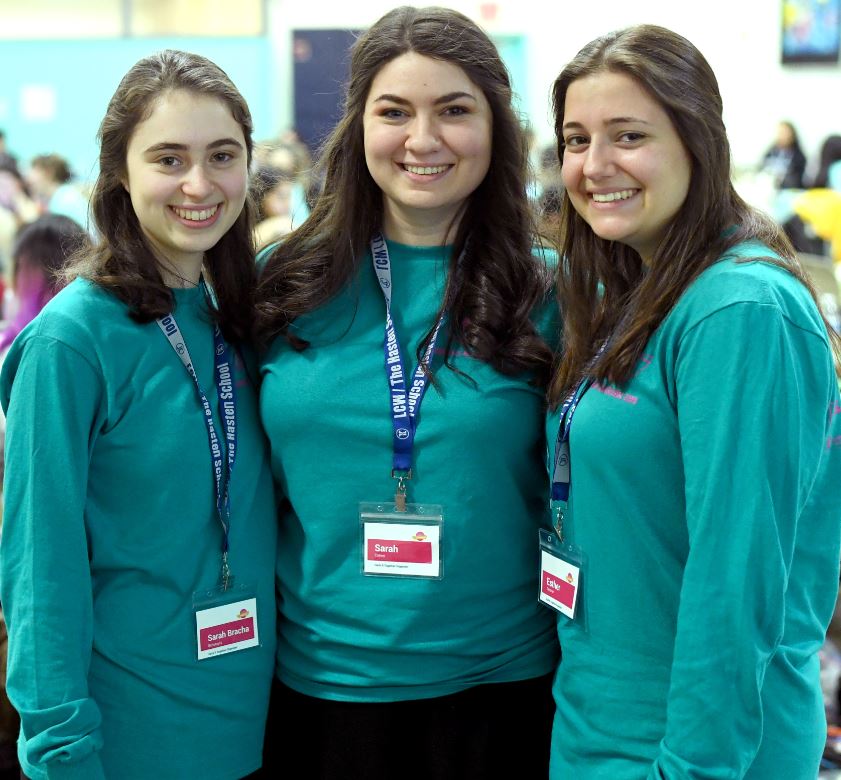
(138, 546)
(410, 642)
(696, 443)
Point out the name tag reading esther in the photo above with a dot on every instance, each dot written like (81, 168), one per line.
(227, 628)
(558, 583)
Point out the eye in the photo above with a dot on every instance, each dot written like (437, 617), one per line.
(573, 141)
(168, 161)
(223, 157)
(631, 137)
(392, 113)
(456, 111)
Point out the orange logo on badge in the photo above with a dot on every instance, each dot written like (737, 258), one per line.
(569, 577)
(243, 613)
(419, 536)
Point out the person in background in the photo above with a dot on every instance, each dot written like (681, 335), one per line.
(785, 160)
(695, 439)
(410, 641)
(273, 193)
(51, 184)
(138, 547)
(40, 252)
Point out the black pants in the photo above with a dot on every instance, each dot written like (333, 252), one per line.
(490, 731)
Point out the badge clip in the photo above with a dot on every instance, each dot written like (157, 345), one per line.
(400, 492)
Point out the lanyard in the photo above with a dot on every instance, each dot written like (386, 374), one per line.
(405, 402)
(226, 394)
(561, 465)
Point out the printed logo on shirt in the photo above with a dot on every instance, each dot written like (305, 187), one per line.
(615, 392)
(643, 363)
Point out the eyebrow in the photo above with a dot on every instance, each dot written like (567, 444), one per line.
(449, 97)
(618, 120)
(166, 145)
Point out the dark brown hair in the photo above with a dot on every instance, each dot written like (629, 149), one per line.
(491, 297)
(54, 166)
(122, 261)
(600, 282)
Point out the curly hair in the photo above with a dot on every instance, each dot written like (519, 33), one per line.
(499, 281)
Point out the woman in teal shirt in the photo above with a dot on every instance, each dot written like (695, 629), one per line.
(410, 641)
(697, 463)
(139, 534)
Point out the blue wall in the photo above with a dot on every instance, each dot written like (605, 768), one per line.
(84, 75)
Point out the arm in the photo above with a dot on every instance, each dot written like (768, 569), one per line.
(45, 578)
(752, 392)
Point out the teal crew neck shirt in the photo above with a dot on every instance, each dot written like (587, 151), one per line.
(327, 413)
(705, 499)
(110, 527)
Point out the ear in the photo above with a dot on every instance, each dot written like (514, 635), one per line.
(124, 182)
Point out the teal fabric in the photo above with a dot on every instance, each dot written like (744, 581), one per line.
(478, 452)
(705, 499)
(109, 529)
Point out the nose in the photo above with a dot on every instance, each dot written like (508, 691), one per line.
(598, 160)
(423, 136)
(196, 183)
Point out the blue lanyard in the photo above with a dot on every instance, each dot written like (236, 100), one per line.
(561, 462)
(226, 394)
(405, 402)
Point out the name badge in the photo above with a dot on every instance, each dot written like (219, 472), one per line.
(224, 627)
(399, 543)
(560, 575)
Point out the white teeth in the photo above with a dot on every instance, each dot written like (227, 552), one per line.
(607, 197)
(426, 170)
(195, 216)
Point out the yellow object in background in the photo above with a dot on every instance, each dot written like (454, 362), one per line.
(821, 209)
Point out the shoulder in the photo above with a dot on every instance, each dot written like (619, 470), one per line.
(80, 308)
(748, 276)
(80, 318)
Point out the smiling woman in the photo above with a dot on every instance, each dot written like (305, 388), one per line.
(137, 565)
(414, 272)
(694, 438)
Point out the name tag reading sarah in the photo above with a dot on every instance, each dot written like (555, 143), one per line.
(401, 543)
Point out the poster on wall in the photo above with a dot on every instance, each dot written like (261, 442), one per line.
(811, 31)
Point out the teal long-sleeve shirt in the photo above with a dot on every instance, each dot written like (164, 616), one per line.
(705, 498)
(110, 527)
(478, 452)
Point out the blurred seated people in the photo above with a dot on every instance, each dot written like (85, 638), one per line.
(815, 227)
(549, 212)
(274, 205)
(50, 181)
(40, 252)
(290, 154)
(6, 157)
(785, 160)
(829, 165)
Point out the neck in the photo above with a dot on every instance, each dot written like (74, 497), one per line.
(429, 228)
(181, 276)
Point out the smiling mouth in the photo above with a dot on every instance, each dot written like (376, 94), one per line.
(196, 215)
(609, 197)
(425, 170)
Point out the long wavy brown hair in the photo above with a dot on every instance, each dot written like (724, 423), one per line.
(122, 261)
(601, 285)
(492, 294)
